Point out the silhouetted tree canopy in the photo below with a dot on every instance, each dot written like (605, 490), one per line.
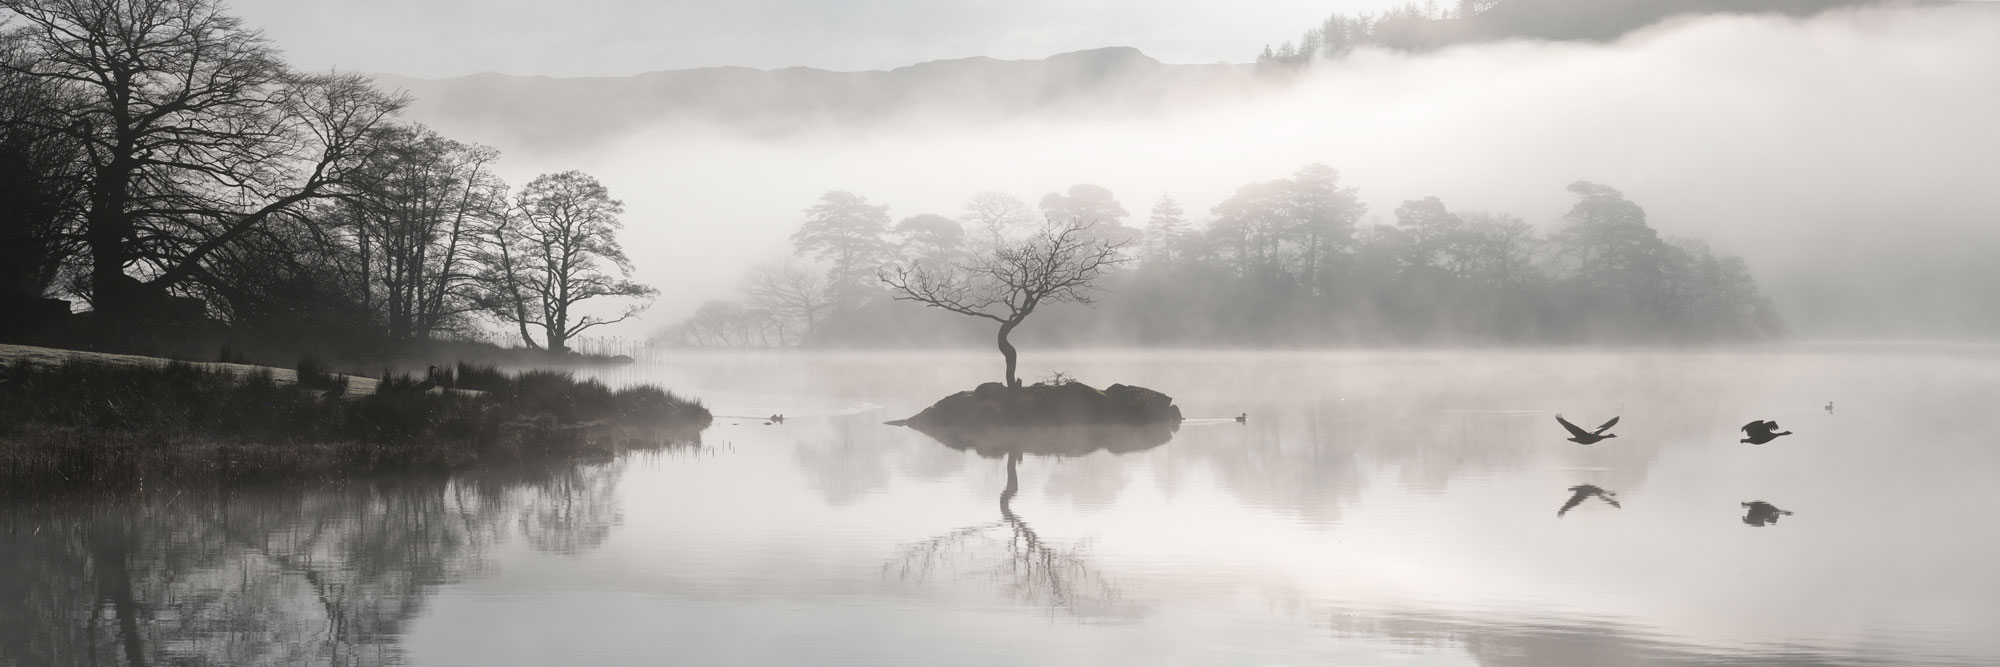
(1289, 262)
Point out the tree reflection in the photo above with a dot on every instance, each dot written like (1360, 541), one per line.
(1021, 563)
(332, 576)
(573, 511)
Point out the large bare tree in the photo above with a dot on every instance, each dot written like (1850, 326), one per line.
(193, 132)
(415, 218)
(1060, 263)
(558, 248)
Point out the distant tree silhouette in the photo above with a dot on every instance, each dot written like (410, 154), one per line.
(931, 237)
(997, 216)
(1434, 233)
(846, 232)
(1287, 262)
(560, 250)
(793, 292)
(1059, 264)
(1095, 208)
(1322, 214)
(1167, 232)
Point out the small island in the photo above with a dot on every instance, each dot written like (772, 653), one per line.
(1059, 263)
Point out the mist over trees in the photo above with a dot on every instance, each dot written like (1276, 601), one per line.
(1431, 25)
(1291, 261)
(162, 164)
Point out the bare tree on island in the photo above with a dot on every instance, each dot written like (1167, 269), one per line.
(550, 255)
(1058, 264)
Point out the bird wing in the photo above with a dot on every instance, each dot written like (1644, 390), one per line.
(1607, 425)
(1573, 429)
(1574, 500)
(1759, 426)
(1771, 425)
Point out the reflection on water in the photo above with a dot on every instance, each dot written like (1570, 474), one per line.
(1019, 561)
(1582, 492)
(1376, 509)
(326, 576)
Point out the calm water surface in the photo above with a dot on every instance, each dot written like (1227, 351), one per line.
(1376, 509)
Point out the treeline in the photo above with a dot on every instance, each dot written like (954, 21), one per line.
(161, 163)
(1428, 26)
(1282, 262)
(1407, 26)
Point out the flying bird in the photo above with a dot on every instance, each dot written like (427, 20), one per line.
(1582, 492)
(1582, 437)
(1761, 431)
(1760, 513)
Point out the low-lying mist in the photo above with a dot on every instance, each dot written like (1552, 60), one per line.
(1851, 158)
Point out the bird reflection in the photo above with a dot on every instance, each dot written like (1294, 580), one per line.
(1582, 492)
(1759, 513)
(1582, 437)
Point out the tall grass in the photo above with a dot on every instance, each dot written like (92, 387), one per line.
(86, 423)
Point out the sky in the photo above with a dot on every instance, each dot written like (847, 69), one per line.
(445, 38)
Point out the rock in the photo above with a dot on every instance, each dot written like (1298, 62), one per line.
(1070, 403)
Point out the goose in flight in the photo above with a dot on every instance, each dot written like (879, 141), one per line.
(1761, 431)
(1582, 437)
(1759, 513)
(1582, 492)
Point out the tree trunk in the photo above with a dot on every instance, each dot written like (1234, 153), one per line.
(107, 227)
(1007, 350)
(114, 585)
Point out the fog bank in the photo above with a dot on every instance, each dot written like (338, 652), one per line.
(1850, 158)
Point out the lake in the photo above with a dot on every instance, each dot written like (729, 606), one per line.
(1375, 508)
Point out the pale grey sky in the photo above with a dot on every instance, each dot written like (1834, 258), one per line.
(441, 38)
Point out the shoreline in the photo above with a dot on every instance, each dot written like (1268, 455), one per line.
(78, 421)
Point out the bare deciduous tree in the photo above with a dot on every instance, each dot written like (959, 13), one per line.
(194, 133)
(1059, 264)
(792, 291)
(997, 215)
(550, 255)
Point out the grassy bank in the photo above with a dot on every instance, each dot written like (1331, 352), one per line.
(103, 425)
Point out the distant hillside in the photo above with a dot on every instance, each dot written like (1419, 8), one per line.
(546, 111)
(1119, 82)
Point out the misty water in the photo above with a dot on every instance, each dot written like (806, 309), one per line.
(1375, 508)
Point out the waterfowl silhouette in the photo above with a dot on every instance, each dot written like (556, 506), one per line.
(1760, 513)
(430, 380)
(1582, 437)
(1829, 407)
(1581, 492)
(1243, 418)
(1761, 432)
(777, 419)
